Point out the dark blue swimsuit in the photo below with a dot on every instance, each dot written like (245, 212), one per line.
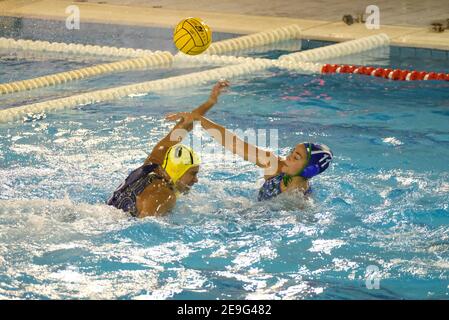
(125, 195)
(272, 188)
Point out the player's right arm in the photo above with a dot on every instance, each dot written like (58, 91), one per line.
(184, 125)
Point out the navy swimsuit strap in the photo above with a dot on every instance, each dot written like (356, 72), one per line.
(137, 174)
(124, 197)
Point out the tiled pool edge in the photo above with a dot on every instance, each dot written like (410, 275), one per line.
(306, 44)
(223, 22)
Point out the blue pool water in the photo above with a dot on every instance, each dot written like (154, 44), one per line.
(383, 204)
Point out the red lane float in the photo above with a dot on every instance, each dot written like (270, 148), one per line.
(396, 74)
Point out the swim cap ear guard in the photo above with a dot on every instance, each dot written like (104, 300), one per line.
(178, 160)
(319, 157)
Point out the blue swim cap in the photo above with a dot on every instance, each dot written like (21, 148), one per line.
(319, 157)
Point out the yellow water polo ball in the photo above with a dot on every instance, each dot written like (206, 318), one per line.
(192, 36)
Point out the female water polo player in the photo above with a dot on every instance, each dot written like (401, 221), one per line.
(169, 170)
(305, 161)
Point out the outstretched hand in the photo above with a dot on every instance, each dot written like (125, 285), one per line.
(185, 117)
(219, 88)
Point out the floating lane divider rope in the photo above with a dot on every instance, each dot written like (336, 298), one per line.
(146, 58)
(255, 39)
(240, 43)
(181, 59)
(301, 66)
(187, 80)
(72, 48)
(393, 74)
(301, 61)
(340, 49)
(157, 59)
(289, 45)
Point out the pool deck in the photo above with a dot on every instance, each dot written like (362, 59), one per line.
(228, 19)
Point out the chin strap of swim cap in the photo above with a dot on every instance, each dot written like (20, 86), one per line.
(178, 160)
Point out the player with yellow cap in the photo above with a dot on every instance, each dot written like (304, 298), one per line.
(178, 160)
(170, 170)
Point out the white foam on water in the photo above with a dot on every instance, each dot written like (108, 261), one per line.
(186, 279)
(393, 141)
(325, 246)
(344, 264)
(286, 289)
(263, 250)
(37, 228)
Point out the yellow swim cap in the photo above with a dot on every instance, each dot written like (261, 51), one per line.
(178, 160)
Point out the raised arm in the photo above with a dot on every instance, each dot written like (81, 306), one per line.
(184, 125)
(260, 157)
(213, 98)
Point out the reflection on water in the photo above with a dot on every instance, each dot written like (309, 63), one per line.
(59, 240)
(383, 202)
(10, 27)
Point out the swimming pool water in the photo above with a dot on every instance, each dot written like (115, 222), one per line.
(382, 204)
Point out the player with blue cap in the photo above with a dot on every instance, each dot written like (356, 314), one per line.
(311, 158)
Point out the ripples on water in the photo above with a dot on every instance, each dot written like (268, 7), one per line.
(383, 203)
